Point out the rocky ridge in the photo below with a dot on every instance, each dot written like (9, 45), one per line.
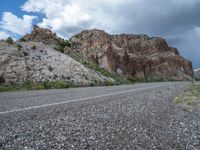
(42, 35)
(43, 56)
(38, 62)
(129, 55)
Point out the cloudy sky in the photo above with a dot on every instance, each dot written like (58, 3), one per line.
(178, 21)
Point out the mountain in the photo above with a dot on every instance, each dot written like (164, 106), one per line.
(92, 57)
(39, 62)
(197, 74)
(138, 56)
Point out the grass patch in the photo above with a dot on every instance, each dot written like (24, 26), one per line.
(36, 86)
(4, 89)
(190, 96)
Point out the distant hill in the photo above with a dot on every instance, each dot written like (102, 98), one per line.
(197, 74)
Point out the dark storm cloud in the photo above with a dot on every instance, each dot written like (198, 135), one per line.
(177, 21)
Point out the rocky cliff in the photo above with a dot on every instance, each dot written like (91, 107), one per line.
(38, 62)
(37, 57)
(131, 55)
(197, 74)
(42, 35)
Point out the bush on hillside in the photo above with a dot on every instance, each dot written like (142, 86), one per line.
(9, 40)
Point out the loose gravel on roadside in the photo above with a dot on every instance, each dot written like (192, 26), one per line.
(146, 119)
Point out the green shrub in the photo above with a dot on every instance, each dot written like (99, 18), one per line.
(133, 79)
(2, 80)
(108, 83)
(4, 89)
(57, 84)
(47, 85)
(59, 48)
(9, 40)
(29, 85)
(33, 47)
(50, 68)
(38, 86)
(22, 40)
(61, 45)
(60, 84)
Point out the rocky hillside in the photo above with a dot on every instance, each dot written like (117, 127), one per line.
(38, 62)
(197, 74)
(129, 55)
(43, 56)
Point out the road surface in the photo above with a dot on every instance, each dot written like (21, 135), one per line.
(141, 116)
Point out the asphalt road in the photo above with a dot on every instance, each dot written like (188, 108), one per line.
(141, 116)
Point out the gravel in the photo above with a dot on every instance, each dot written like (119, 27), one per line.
(144, 119)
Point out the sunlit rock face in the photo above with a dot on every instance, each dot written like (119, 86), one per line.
(38, 62)
(131, 55)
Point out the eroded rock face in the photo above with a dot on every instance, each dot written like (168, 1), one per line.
(132, 55)
(42, 35)
(37, 62)
(12, 64)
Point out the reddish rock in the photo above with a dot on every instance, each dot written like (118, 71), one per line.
(131, 55)
(42, 35)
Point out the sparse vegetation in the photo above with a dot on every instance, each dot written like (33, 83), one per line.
(28, 85)
(9, 40)
(133, 79)
(2, 80)
(33, 47)
(61, 45)
(108, 83)
(22, 40)
(4, 89)
(57, 84)
(190, 96)
(50, 68)
(118, 79)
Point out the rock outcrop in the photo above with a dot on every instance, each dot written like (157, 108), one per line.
(36, 57)
(42, 35)
(38, 62)
(197, 74)
(131, 55)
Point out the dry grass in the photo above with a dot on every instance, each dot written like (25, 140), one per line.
(190, 97)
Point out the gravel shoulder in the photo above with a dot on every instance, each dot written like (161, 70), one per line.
(144, 119)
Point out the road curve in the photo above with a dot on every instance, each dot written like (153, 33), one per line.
(141, 116)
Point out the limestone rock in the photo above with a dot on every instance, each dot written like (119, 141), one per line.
(38, 62)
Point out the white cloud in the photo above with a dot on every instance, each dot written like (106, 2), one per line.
(15, 25)
(63, 17)
(70, 16)
(175, 18)
(3, 35)
(67, 17)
